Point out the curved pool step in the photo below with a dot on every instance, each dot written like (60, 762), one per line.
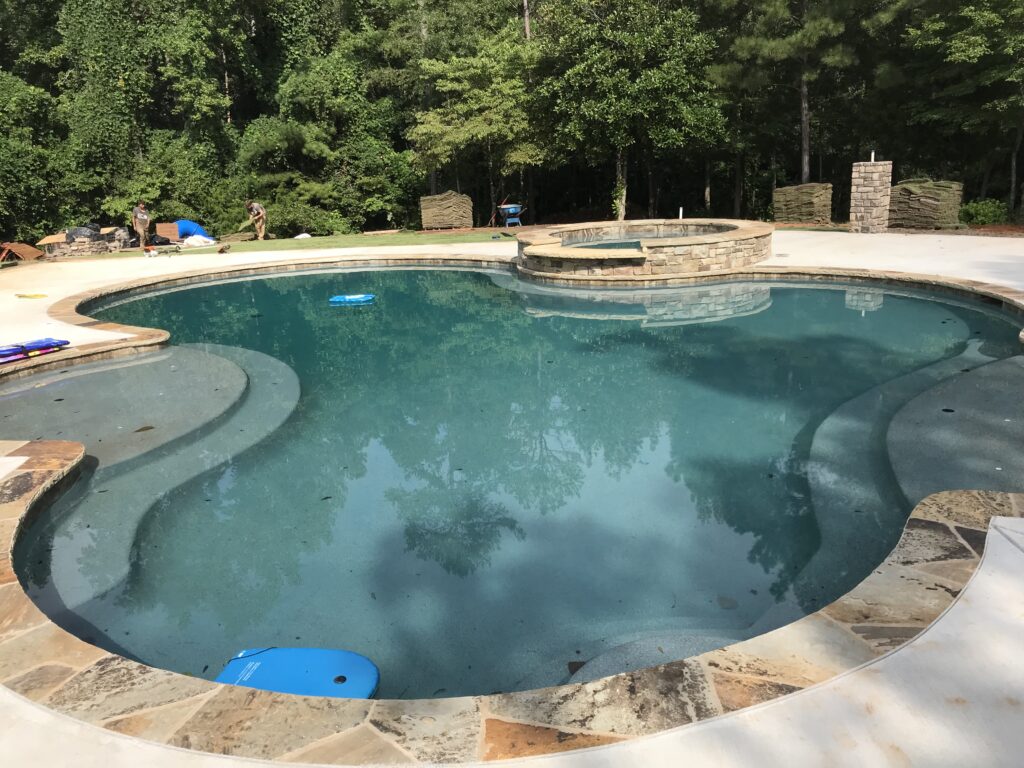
(962, 434)
(124, 408)
(848, 474)
(116, 501)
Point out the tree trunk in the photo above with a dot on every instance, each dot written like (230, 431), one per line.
(490, 185)
(985, 176)
(421, 5)
(737, 191)
(619, 197)
(652, 193)
(526, 17)
(1013, 168)
(707, 186)
(805, 131)
(529, 202)
(424, 34)
(227, 84)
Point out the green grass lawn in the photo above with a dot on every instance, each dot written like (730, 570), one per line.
(333, 241)
(358, 241)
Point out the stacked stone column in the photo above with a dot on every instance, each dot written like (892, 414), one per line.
(869, 196)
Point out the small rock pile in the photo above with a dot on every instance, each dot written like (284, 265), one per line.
(804, 203)
(925, 204)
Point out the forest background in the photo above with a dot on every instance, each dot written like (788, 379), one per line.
(339, 114)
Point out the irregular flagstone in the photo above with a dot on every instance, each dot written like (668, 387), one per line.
(972, 509)
(884, 638)
(504, 740)
(252, 723)
(6, 567)
(432, 730)
(38, 683)
(156, 724)
(800, 654)
(894, 595)
(10, 446)
(17, 612)
(18, 485)
(363, 745)
(927, 541)
(975, 539)
(45, 644)
(115, 686)
(737, 691)
(953, 571)
(634, 703)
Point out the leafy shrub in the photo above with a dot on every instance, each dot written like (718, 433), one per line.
(980, 212)
(287, 216)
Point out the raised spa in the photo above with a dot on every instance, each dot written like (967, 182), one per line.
(482, 484)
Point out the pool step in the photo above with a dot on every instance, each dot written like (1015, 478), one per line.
(962, 434)
(124, 408)
(118, 499)
(850, 482)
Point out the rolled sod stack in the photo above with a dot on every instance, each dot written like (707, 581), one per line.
(804, 203)
(449, 210)
(925, 204)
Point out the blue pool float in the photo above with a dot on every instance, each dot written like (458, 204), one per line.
(26, 349)
(303, 671)
(352, 299)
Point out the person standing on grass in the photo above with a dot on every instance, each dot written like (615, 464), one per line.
(140, 223)
(258, 217)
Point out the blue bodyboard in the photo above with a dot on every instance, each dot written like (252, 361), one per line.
(38, 345)
(303, 671)
(353, 299)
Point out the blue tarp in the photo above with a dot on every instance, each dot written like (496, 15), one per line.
(188, 228)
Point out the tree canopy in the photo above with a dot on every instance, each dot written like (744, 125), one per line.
(338, 115)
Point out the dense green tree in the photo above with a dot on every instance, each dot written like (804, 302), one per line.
(485, 109)
(340, 114)
(624, 73)
(980, 51)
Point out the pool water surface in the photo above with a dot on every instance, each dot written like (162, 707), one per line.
(480, 488)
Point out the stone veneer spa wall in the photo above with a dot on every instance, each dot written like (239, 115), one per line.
(645, 252)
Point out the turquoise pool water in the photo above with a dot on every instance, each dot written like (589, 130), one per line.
(613, 244)
(481, 485)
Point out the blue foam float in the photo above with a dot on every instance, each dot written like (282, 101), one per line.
(26, 349)
(352, 299)
(304, 671)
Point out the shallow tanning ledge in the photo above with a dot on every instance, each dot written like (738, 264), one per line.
(642, 252)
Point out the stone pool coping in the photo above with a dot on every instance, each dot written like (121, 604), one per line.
(939, 550)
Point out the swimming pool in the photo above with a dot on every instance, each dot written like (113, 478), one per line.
(484, 486)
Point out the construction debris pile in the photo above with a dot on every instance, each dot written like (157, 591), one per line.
(925, 204)
(449, 210)
(804, 203)
(85, 241)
